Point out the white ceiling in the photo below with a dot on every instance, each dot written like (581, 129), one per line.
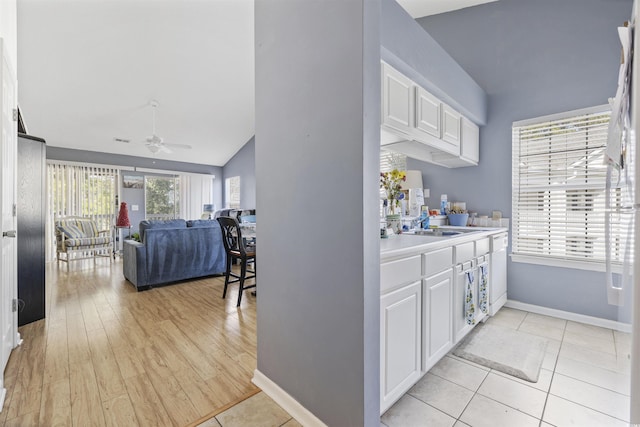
(420, 8)
(87, 70)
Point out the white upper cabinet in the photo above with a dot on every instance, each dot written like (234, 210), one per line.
(416, 123)
(450, 126)
(397, 100)
(470, 147)
(427, 112)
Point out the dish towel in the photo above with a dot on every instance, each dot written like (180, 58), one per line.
(482, 292)
(469, 308)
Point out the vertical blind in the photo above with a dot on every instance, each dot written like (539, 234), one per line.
(232, 192)
(558, 189)
(74, 190)
(196, 190)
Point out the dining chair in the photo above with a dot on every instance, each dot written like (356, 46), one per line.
(237, 249)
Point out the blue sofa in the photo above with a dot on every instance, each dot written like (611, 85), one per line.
(172, 251)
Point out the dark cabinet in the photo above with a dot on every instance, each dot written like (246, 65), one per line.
(31, 228)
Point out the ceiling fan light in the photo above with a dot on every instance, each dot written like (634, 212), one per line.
(153, 148)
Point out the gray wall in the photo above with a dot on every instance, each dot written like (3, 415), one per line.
(407, 47)
(133, 196)
(58, 153)
(318, 94)
(533, 58)
(136, 196)
(243, 164)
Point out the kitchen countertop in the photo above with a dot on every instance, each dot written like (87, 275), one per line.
(401, 245)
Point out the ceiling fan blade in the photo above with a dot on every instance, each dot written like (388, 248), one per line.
(153, 139)
(154, 148)
(165, 149)
(186, 146)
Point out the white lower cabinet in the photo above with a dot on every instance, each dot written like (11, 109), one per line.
(422, 310)
(437, 336)
(400, 342)
(498, 296)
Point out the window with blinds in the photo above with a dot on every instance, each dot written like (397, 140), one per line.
(390, 161)
(232, 192)
(75, 190)
(558, 189)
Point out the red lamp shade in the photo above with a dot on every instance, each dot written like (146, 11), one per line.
(123, 216)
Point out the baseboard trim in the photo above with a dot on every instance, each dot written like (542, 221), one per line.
(288, 403)
(3, 396)
(567, 315)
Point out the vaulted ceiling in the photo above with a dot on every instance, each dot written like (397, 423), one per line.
(88, 69)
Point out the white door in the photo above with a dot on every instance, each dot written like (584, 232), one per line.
(8, 264)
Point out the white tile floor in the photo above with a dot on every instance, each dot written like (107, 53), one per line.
(584, 381)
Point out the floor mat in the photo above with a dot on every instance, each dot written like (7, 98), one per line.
(506, 350)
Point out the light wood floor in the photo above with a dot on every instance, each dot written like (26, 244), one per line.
(107, 355)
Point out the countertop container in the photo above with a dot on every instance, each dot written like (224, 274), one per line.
(459, 220)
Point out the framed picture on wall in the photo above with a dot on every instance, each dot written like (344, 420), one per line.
(133, 181)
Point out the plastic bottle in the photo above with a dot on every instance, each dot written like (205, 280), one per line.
(424, 217)
(443, 204)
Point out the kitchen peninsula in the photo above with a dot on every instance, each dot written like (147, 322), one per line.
(426, 285)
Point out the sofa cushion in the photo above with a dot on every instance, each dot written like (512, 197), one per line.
(169, 223)
(89, 242)
(202, 223)
(70, 231)
(89, 227)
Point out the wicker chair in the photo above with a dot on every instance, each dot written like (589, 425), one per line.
(78, 238)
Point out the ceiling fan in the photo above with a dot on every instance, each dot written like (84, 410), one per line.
(155, 143)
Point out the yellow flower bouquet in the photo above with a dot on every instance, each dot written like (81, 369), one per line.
(391, 182)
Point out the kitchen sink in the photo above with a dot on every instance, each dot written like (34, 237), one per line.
(436, 232)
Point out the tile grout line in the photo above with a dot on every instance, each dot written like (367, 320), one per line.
(472, 397)
(553, 374)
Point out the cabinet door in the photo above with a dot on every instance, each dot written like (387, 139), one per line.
(437, 337)
(470, 146)
(397, 100)
(498, 274)
(400, 334)
(427, 112)
(451, 126)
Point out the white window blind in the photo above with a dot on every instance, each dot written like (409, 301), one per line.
(75, 190)
(232, 192)
(390, 160)
(558, 188)
(196, 190)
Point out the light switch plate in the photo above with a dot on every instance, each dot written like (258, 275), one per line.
(134, 207)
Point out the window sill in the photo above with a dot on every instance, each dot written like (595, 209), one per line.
(565, 263)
